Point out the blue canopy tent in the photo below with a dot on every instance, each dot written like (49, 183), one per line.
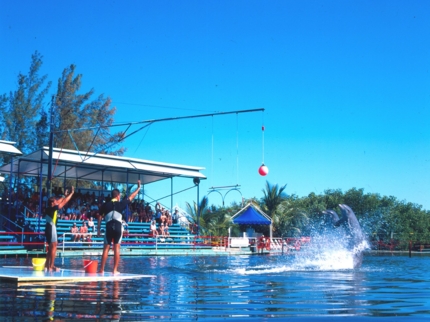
(252, 215)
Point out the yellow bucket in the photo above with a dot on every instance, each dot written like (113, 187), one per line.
(38, 263)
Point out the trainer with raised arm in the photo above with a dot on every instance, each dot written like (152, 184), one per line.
(112, 213)
(51, 217)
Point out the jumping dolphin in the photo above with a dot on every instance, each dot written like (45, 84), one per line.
(349, 223)
(334, 218)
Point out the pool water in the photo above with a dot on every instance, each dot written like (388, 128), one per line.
(231, 288)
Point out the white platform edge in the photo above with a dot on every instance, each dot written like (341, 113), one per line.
(27, 274)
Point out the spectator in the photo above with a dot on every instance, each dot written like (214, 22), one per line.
(164, 229)
(153, 228)
(91, 226)
(148, 211)
(175, 216)
(83, 231)
(84, 216)
(142, 215)
(72, 216)
(75, 232)
(168, 218)
(163, 217)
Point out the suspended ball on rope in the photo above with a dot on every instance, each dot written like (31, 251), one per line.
(263, 170)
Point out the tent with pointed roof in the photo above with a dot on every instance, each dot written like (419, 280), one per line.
(252, 215)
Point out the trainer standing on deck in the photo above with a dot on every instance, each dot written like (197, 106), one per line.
(112, 213)
(51, 217)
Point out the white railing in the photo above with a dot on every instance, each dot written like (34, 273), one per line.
(159, 239)
(276, 244)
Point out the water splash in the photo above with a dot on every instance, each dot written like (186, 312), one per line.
(328, 251)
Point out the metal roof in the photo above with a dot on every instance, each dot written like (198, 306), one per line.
(251, 215)
(74, 164)
(7, 147)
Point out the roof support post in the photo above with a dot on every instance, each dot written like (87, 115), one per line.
(41, 191)
(103, 185)
(51, 147)
(10, 188)
(197, 183)
(271, 232)
(126, 195)
(171, 195)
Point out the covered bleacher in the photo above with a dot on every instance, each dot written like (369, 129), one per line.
(75, 165)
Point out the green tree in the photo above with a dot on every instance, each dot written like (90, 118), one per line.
(86, 121)
(273, 195)
(289, 220)
(21, 109)
(3, 103)
(42, 130)
(219, 222)
(203, 219)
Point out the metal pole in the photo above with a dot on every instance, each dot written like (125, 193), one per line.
(51, 143)
(10, 190)
(171, 195)
(198, 210)
(126, 196)
(197, 182)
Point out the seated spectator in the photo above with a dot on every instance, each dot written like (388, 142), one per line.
(175, 216)
(91, 226)
(169, 218)
(164, 229)
(148, 212)
(72, 216)
(74, 230)
(135, 217)
(153, 228)
(142, 215)
(84, 216)
(83, 231)
(163, 217)
(94, 205)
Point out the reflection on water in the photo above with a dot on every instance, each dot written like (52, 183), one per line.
(235, 287)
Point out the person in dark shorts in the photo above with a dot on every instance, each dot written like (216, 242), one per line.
(51, 217)
(111, 211)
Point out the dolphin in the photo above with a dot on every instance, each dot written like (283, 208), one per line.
(349, 224)
(332, 216)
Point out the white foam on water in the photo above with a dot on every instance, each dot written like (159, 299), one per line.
(325, 253)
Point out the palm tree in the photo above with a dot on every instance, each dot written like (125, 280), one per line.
(193, 211)
(219, 223)
(273, 196)
(289, 220)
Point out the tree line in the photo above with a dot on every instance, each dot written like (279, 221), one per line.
(382, 218)
(76, 118)
(27, 113)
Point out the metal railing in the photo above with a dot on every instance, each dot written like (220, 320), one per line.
(16, 225)
(127, 241)
(26, 211)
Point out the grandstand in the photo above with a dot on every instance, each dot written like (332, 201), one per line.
(137, 240)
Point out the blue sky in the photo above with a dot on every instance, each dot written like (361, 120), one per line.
(345, 86)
